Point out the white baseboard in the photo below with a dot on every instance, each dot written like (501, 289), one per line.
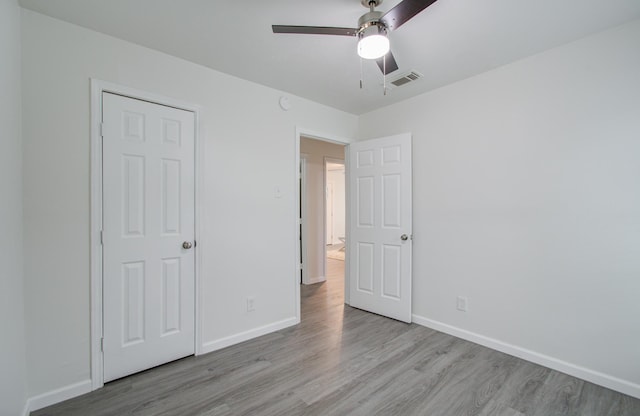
(247, 335)
(314, 280)
(604, 380)
(25, 410)
(56, 396)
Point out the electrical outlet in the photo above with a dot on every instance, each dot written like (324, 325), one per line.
(462, 303)
(251, 304)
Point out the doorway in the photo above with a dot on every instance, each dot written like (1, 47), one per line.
(323, 218)
(335, 209)
(378, 237)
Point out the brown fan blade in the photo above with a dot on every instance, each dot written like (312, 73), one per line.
(404, 11)
(315, 30)
(389, 66)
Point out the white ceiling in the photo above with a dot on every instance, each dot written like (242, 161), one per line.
(449, 41)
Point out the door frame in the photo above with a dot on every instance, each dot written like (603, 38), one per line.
(303, 224)
(325, 137)
(98, 87)
(328, 212)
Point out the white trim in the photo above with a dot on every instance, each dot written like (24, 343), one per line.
(300, 131)
(314, 280)
(324, 219)
(98, 87)
(25, 410)
(302, 241)
(347, 221)
(583, 373)
(296, 231)
(58, 395)
(323, 137)
(247, 335)
(200, 165)
(97, 373)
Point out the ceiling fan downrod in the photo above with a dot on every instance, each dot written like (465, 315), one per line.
(372, 17)
(370, 4)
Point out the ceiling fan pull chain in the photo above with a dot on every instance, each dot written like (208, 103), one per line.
(361, 73)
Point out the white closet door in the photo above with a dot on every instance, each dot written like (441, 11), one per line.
(148, 235)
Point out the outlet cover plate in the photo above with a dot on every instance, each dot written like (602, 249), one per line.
(462, 303)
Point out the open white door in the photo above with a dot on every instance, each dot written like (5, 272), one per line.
(148, 233)
(379, 246)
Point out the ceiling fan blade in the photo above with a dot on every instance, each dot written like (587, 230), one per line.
(389, 66)
(315, 30)
(404, 11)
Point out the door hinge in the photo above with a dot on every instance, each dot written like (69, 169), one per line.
(101, 237)
(102, 344)
(101, 129)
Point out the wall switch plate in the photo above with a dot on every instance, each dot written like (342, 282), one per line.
(251, 304)
(462, 303)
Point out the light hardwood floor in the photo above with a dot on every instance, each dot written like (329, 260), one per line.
(343, 361)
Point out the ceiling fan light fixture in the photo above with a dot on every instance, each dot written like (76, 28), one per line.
(373, 43)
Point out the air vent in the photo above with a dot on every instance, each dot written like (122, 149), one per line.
(406, 78)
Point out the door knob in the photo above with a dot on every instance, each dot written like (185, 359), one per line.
(187, 245)
(404, 237)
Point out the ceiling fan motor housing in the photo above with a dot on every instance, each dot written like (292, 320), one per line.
(370, 19)
(376, 28)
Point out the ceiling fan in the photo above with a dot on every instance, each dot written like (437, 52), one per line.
(372, 30)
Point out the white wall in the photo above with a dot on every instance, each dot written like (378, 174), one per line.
(249, 151)
(527, 201)
(13, 384)
(336, 179)
(316, 151)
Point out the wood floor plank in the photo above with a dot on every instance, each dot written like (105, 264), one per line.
(344, 361)
(495, 408)
(559, 395)
(595, 401)
(520, 390)
(336, 379)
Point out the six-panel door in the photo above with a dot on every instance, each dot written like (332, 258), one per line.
(380, 226)
(148, 213)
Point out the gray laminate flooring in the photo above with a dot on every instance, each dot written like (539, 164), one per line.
(343, 361)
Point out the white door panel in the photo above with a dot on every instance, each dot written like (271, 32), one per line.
(148, 212)
(380, 212)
